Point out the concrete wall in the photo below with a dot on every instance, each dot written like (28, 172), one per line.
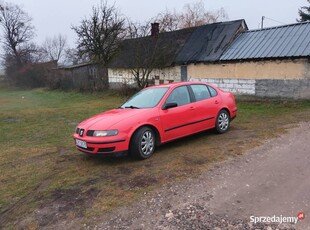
(276, 69)
(283, 88)
(298, 89)
(119, 76)
(238, 86)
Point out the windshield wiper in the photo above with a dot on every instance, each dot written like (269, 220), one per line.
(131, 107)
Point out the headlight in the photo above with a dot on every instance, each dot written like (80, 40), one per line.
(105, 133)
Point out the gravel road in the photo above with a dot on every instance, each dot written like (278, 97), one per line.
(271, 181)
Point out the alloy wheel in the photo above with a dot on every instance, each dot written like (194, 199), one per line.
(147, 143)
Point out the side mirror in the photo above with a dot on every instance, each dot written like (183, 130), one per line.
(170, 105)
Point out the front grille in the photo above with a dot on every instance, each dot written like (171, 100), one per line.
(88, 148)
(81, 132)
(106, 150)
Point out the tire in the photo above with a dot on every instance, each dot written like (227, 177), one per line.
(142, 144)
(222, 122)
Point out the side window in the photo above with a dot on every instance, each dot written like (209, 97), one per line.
(180, 96)
(212, 91)
(201, 92)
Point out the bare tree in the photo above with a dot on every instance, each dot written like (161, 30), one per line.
(73, 57)
(137, 29)
(193, 14)
(19, 51)
(99, 35)
(144, 60)
(54, 48)
(144, 47)
(169, 20)
(17, 33)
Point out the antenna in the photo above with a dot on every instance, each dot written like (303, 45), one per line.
(262, 25)
(264, 17)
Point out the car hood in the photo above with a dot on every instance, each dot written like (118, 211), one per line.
(109, 118)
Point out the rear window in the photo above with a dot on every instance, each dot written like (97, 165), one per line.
(213, 92)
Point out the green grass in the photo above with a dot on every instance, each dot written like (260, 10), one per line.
(40, 166)
(36, 130)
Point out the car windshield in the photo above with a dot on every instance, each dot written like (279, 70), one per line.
(147, 98)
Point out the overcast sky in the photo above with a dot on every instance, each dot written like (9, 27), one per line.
(51, 17)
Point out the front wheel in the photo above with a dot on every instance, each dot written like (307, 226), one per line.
(142, 144)
(222, 121)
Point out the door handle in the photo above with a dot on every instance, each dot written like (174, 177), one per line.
(216, 102)
(192, 107)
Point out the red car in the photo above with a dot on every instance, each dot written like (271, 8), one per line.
(154, 116)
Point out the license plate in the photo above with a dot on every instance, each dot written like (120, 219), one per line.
(81, 144)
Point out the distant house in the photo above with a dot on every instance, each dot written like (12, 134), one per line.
(168, 55)
(271, 62)
(85, 76)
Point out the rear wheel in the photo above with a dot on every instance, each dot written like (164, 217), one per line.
(222, 121)
(142, 144)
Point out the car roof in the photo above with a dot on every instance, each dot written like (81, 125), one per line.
(179, 84)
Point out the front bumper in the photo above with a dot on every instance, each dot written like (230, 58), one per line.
(102, 146)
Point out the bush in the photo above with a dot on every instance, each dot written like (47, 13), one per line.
(29, 75)
(126, 90)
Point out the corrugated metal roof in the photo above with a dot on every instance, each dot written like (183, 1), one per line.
(276, 42)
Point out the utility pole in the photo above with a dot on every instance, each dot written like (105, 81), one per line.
(262, 25)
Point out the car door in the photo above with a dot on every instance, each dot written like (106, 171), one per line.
(177, 121)
(206, 107)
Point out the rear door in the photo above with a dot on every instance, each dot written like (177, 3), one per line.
(206, 105)
(177, 121)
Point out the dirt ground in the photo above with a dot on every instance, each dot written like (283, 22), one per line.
(270, 180)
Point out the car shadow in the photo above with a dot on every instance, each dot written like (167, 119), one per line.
(169, 146)
(186, 140)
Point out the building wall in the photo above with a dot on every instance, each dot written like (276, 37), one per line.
(82, 77)
(279, 69)
(298, 89)
(282, 78)
(118, 77)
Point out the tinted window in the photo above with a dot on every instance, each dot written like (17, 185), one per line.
(179, 95)
(201, 92)
(212, 91)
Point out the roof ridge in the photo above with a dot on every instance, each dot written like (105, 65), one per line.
(188, 28)
(277, 27)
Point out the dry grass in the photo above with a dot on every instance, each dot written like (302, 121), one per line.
(45, 180)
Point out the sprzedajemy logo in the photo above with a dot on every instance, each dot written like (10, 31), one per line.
(277, 219)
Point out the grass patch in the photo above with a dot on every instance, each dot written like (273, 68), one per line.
(41, 170)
